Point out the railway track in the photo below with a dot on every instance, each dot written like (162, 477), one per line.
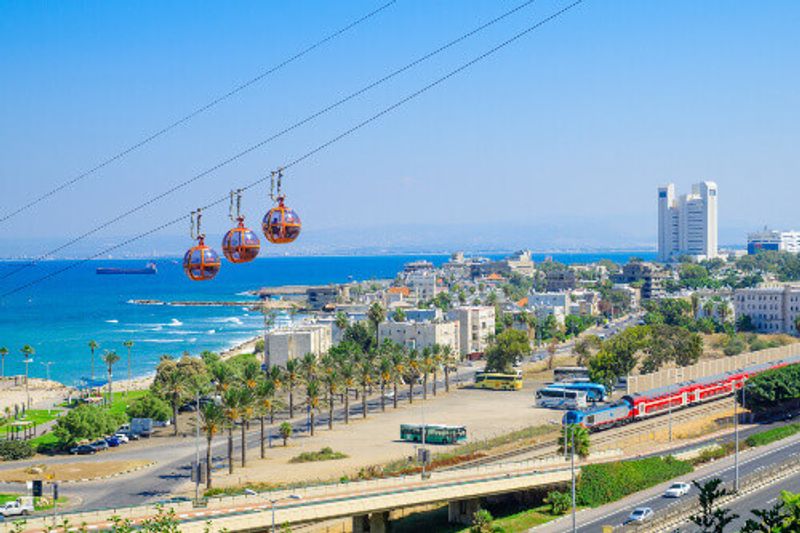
(546, 448)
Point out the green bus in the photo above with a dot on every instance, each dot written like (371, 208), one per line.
(434, 433)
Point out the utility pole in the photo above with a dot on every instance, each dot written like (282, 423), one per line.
(197, 447)
(572, 467)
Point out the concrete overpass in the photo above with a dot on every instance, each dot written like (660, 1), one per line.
(368, 502)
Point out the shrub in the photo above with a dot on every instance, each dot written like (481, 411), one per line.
(772, 435)
(325, 454)
(560, 502)
(12, 450)
(603, 483)
(85, 423)
(150, 406)
(773, 387)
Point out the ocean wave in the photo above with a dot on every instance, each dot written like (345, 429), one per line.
(230, 320)
(211, 332)
(162, 341)
(174, 323)
(112, 321)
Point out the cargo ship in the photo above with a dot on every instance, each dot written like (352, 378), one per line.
(150, 268)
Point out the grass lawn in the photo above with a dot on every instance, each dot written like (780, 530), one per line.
(121, 400)
(508, 517)
(37, 416)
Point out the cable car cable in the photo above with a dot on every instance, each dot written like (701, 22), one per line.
(311, 153)
(266, 141)
(191, 115)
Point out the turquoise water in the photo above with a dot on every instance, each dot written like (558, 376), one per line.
(59, 316)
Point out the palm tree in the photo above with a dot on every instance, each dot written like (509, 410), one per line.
(347, 373)
(436, 355)
(364, 369)
(376, 314)
(230, 403)
(581, 436)
(412, 372)
(213, 423)
(274, 376)
(310, 366)
(426, 365)
(265, 392)
(292, 376)
(128, 345)
(448, 359)
(93, 346)
(3, 354)
(398, 360)
(110, 358)
(312, 397)
(341, 320)
(172, 385)
(385, 370)
(27, 352)
(330, 377)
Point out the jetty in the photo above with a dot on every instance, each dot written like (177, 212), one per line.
(254, 304)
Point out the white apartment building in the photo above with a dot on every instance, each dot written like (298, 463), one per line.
(785, 241)
(687, 225)
(294, 342)
(772, 308)
(419, 335)
(423, 284)
(476, 325)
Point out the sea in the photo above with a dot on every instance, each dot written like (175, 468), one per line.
(59, 316)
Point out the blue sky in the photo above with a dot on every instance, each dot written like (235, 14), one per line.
(562, 137)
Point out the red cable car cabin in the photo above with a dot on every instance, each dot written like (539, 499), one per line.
(240, 244)
(281, 225)
(201, 262)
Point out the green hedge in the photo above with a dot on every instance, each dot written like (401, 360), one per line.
(771, 435)
(600, 484)
(11, 450)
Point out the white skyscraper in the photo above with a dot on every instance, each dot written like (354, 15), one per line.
(687, 225)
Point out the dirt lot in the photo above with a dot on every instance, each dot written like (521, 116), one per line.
(376, 439)
(72, 471)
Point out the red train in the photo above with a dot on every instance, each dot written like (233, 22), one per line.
(634, 407)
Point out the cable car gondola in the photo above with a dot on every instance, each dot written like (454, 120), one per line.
(281, 224)
(200, 262)
(240, 244)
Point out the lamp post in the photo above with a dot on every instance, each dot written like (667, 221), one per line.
(736, 433)
(572, 468)
(46, 366)
(272, 502)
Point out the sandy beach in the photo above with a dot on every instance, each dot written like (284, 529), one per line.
(44, 393)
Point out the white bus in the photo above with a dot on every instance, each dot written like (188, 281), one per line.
(575, 374)
(561, 398)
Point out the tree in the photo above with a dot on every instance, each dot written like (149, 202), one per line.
(292, 375)
(330, 377)
(552, 348)
(86, 422)
(581, 435)
(773, 387)
(398, 360)
(92, 347)
(149, 406)
(110, 358)
(172, 386)
(385, 370)
(312, 398)
(449, 360)
(560, 502)
(285, 430)
(482, 522)
(129, 346)
(412, 372)
(586, 347)
(265, 396)
(711, 518)
(213, 424)
(3, 354)
(341, 320)
(347, 373)
(364, 371)
(508, 347)
(399, 315)
(426, 366)
(376, 314)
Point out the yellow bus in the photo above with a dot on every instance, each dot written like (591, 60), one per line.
(498, 381)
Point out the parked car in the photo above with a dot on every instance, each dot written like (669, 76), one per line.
(123, 438)
(83, 449)
(676, 490)
(22, 506)
(100, 445)
(190, 407)
(113, 442)
(639, 515)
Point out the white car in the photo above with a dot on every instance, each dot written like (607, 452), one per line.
(676, 490)
(639, 515)
(122, 437)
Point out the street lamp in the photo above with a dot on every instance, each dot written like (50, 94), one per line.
(571, 428)
(736, 433)
(272, 502)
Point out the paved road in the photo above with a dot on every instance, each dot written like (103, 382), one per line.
(762, 499)
(614, 514)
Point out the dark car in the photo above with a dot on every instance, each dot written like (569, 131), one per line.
(100, 445)
(113, 442)
(83, 449)
(187, 408)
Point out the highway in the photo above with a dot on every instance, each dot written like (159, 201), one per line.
(614, 514)
(761, 499)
